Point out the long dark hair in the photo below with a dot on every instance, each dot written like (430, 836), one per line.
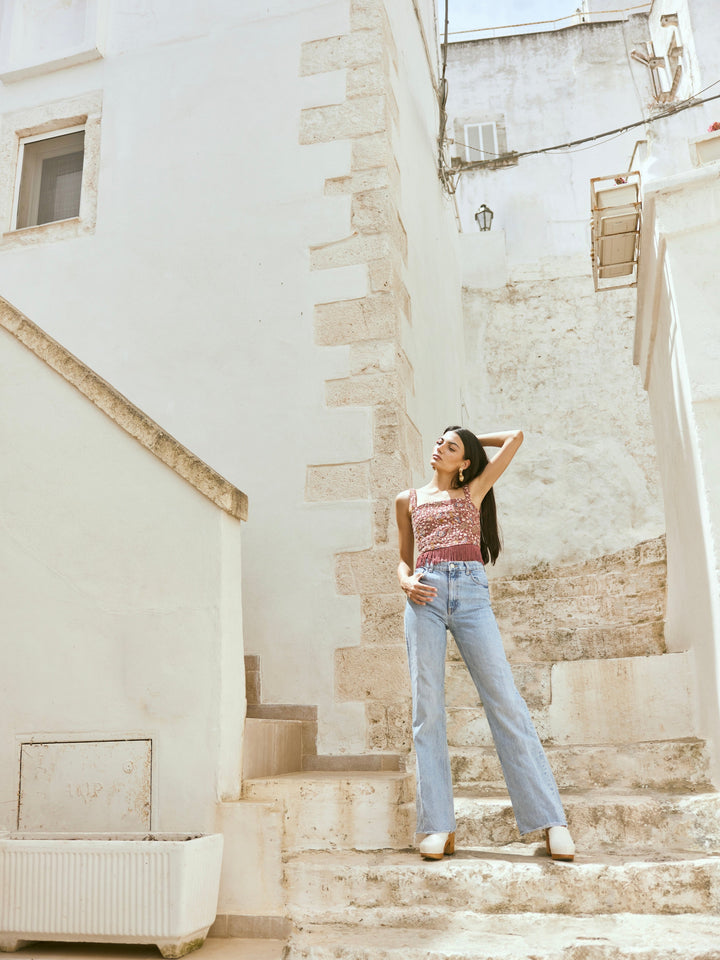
(490, 542)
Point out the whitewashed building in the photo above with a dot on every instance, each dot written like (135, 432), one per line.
(225, 224)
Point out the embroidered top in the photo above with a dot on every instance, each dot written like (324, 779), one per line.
(446, 529)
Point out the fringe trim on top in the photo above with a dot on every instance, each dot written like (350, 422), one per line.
(457, 551)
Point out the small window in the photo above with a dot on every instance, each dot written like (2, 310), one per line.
(481, 142)
(51, 178)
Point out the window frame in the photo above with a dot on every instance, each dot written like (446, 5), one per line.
(36, 177)
(43, 119)
(483, 154)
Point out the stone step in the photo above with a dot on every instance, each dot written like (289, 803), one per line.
(619, 700)
(271, 747)
(597, 642)
(341, 810)
(612, 583)
(645, 554)
(398, 888)
(515, 614)
(667, 765)
(511, 937)
(648, 823)
(531, 679)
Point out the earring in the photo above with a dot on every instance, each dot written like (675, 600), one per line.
(461, 478)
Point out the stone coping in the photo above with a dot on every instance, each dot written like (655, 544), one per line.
(124, 413)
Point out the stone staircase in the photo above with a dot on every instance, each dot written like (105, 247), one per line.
(615, 712)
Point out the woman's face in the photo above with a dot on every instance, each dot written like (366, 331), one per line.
(449, 453)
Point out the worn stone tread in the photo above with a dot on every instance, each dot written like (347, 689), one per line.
(643, 554)
(517, 879)
(597, 641)
(535, 613)
(600, 821)
(624, 582)
(467, 936)
(680, 766)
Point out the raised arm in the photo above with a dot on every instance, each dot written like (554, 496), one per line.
(509, 443)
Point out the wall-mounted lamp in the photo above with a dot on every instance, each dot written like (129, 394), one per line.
(484, 217)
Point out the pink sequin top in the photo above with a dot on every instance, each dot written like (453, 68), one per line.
(446, 529)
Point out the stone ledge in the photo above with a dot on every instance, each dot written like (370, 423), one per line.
(364, 390)
(372, 150)
(124, 413)
(359, 48)
(358, 117)
(349, 251)
(373, 179)
(337, 481)
(382, 618)
(389, 725)
(349, 321)
(374, 211)
(371, 672)
(367, 571)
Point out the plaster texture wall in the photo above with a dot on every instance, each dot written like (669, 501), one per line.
(668, 149)
(120, 598)
(433, 339)
(404, 332)
(677, 349)
(244, 191)
(550, 356)
(544, 352)
(547, 89)
(678, 352)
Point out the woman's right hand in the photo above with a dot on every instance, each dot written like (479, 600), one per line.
(416, 591)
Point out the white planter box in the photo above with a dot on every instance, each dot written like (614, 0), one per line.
(145, 888)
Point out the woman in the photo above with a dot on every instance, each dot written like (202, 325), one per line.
(453, 521)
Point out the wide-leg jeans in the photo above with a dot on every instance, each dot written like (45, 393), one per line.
(462, 605)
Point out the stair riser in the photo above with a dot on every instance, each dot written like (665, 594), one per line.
(586, 643)
(648, 827)
(468, 726)
(627, 583)
(635, 699)
(584, 950)
(668, 766)
(350, 826)
(532, 680)
(492, 886)
(348, 814)
(644, 556)
(520, 614)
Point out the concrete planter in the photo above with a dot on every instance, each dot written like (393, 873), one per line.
(145, 888)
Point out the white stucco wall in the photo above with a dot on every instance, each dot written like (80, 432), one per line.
(678, 353)
(544, 352)
(194, 294)
(434, 341)
(120, 596)
(550, 356)
(549, 89)
(677, 349)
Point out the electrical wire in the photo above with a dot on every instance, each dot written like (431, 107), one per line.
(671, 111)
(541, 23)
(444, 170)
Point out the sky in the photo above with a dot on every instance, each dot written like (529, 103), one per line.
(470, 14)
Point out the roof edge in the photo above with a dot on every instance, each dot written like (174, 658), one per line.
(124, 413)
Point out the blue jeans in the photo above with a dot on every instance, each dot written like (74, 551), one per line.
(462, 605)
